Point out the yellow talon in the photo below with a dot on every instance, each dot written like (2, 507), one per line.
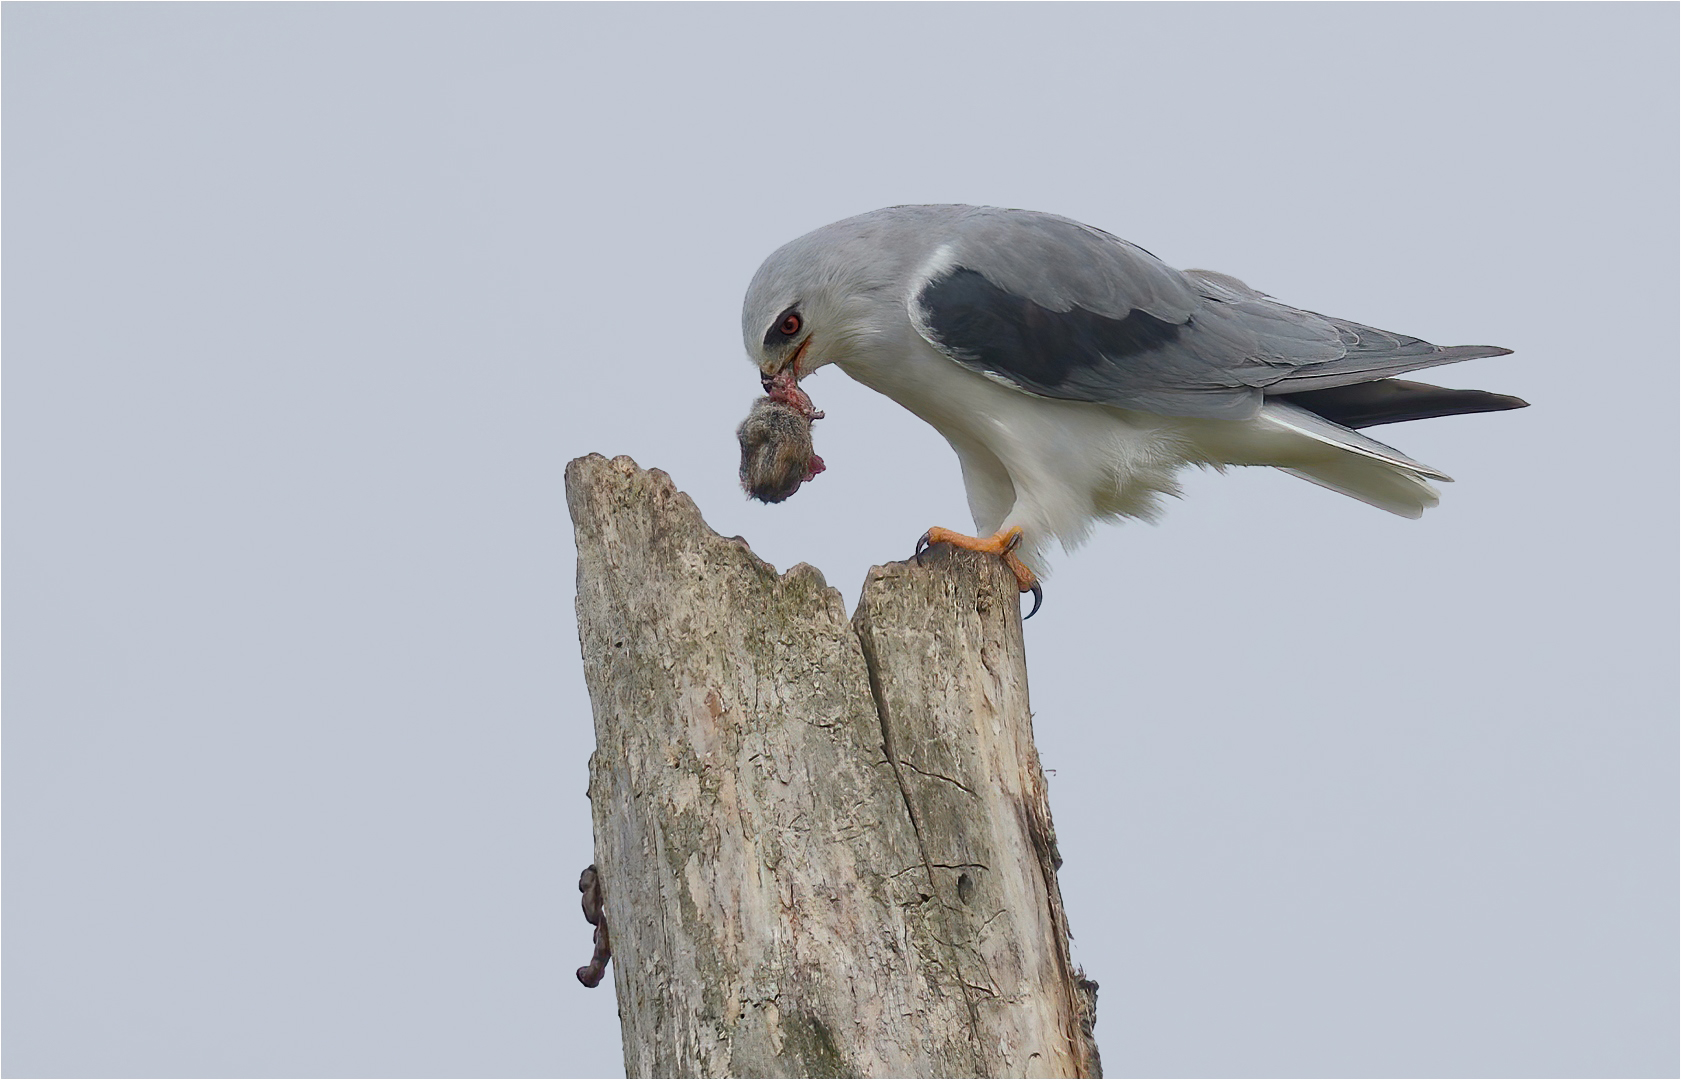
(1002, 544)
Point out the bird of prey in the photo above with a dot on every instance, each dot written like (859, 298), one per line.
(1075, 374)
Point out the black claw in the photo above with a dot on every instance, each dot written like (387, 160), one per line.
(921, 546)
(1038, 598)
(1012, 543)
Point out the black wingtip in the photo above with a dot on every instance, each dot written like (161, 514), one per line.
(1394, 401)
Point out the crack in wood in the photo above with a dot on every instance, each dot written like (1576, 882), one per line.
(872, 664)
(908, 763)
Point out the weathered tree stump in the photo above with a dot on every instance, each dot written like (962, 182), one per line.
(824, 846)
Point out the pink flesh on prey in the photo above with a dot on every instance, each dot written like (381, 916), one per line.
(784, 387)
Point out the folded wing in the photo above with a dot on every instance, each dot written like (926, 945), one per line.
(1062, 310)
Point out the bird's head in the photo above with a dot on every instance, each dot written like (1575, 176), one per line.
(815, 301)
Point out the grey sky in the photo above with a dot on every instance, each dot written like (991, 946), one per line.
(307, 306)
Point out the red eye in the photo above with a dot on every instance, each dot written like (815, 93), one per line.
(790, 326)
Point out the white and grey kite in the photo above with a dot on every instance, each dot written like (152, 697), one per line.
(1075, 373)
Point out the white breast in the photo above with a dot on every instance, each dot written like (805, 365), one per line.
(1051, 467)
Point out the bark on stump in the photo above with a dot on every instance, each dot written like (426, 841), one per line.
(824, 845)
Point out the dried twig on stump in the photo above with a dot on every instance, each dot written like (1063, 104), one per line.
(824, 847)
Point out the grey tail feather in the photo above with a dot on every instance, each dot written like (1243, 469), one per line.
(1391, 401)
(1373, 360)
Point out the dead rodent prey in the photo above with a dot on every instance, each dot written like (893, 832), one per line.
(776, 449)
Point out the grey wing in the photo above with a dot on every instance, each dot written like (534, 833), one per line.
(1059, 309)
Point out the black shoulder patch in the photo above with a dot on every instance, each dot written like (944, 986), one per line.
(992, 329)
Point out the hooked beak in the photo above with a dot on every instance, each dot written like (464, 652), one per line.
(789, 373)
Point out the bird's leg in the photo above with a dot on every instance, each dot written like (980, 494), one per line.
(1002, 544)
